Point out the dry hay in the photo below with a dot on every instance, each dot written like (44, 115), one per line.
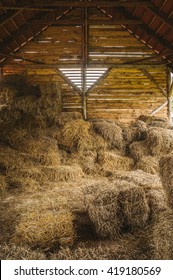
(161, 236)
(24, 184)
(7, 95)
(27, 104)
(139, 129)
(166, 167)
(27, 173)
(50, 101)
(125, 248)
(3, 183)
(111, 132)
(138, 149)
(154, 121)
(65, 117)
(159, 141)
(44, 150)
(63, 173)
(111, 161)
(116, 207)
(44, 230)
(75, 134)
(103, 209)
(134, 206)
(87, 161)
(148, 164)
(139, 178)
(13, 252)
(11, 159)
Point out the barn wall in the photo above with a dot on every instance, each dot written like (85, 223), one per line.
(127, 93)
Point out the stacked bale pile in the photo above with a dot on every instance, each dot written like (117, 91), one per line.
(56, 169)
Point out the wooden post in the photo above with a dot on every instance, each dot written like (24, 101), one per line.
(169, 95)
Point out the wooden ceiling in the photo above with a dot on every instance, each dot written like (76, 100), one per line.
(86, 32)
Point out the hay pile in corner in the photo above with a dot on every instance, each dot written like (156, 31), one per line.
(166, 166)
(44, 230)
(111, 132)
(13, 252)
(154, 121)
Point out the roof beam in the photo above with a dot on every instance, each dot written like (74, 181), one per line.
(161, 15)
(148, 30)
(73, 3)
(90, 22)
(8, 16)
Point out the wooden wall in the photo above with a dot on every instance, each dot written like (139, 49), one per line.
(127, 93)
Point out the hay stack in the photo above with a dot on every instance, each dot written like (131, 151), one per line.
(139, 129)
(13, 252)
(154, 121)
(161, 239)
(44, 230)
(138, 149)
(159, 141)
(27, 104)
(103, 209)
(63, 173)
(65, 117)
(112, 161)
(134, 206)
(111, 132)
(166, 167)
(148, 164)
(75, 135)
(3, 183)
(24, 184)
(7, 95)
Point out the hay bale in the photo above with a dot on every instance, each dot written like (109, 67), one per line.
(63, 173)
(138, 149)
(103, 209)
(27, 173)
(84, 252)
(134, 206)
(65, 117)
(166, 167)
(111, 132)
(161, 238)
(139, 129)
(44, 230)
(13, 252)
(27, 104)
(111, 161)
(154, 121)
(148, 164)
(24, 184)
(75, 135)
(159, 141)
(3, 183)
(7, 95)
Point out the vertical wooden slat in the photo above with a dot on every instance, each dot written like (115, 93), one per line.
(169, 95)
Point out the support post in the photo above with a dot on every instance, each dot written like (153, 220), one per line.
(85, 62)
(169, 95)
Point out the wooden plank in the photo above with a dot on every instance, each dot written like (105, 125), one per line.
(80, 22)
(155, 111)
(153, 80)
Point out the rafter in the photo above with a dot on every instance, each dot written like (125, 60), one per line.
(74, 3)
(90, 22)
(8, 16)
(148, 30)
(155, 11)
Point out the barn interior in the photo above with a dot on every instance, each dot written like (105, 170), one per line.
(86, 139)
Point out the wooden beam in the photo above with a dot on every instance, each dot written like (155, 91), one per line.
(21, 58)
(74, 3)
(90, 22)
(8, 16)
(169, 95)
(145, 28)
(70, 83)
(155, 11)
(97, 65)
(155, 111)
(152, 79)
